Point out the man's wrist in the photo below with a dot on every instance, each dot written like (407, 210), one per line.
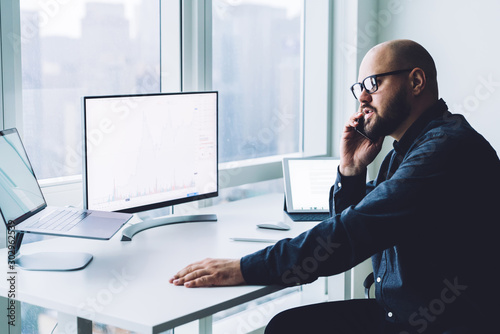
(351, 171)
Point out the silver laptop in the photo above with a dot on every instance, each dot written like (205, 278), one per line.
(23, 206)
(307, 184)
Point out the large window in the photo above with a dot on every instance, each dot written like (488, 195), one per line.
(94, 47)
(76, 48)
(256, 59)
(256, 67)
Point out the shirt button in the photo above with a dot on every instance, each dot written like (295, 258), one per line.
(389, 314)
(339, 185)
(379, 280)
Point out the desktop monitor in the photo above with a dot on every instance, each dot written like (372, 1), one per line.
(148, 151)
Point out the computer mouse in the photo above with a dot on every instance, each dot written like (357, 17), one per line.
(274, 225)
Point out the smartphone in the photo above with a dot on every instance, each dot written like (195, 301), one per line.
(361, 128)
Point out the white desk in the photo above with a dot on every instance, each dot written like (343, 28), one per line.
(126, 284)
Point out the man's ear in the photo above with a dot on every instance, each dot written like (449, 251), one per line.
(418, 81)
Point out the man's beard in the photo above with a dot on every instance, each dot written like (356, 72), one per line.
(397, 111)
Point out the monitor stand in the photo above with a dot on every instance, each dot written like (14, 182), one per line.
(132, 230)
(49, 261)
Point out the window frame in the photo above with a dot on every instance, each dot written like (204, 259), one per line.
(187, 67)
(10, 65)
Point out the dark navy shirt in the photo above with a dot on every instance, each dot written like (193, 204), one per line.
(429, 221)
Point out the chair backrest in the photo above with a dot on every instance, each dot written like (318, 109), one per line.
(369, 280)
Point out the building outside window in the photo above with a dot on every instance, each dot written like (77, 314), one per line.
(74, 49)
(256, 67)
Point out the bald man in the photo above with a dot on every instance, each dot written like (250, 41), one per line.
(429, 221)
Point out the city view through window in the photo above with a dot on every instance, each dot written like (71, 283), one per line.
(80, 48)
(75, 49)
(257, 71)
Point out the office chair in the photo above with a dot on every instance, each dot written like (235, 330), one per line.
(368, 282)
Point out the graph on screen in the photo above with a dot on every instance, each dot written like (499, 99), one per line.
(150, 149)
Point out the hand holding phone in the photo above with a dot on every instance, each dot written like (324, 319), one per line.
(355, 152)
(361, 128)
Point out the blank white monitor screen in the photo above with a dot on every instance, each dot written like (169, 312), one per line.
(148, 151)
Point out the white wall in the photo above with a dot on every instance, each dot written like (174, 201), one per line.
(462, 36)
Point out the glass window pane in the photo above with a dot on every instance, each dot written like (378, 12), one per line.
(256, 68)
(75, 48)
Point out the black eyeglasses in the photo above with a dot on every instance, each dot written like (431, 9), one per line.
(370, 83)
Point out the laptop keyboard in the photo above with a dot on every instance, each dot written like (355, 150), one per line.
(309, 216)
(60, 220)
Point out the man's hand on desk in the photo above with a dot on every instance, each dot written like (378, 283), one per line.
(210, 272)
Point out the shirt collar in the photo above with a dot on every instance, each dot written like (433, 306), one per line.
(436, 110)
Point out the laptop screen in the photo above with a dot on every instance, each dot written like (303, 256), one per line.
(308, 182)
(20, 195)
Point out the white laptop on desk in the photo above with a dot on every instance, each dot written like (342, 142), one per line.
(307, 184)
(23, 206)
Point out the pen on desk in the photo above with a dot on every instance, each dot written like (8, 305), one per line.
(255, 240)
